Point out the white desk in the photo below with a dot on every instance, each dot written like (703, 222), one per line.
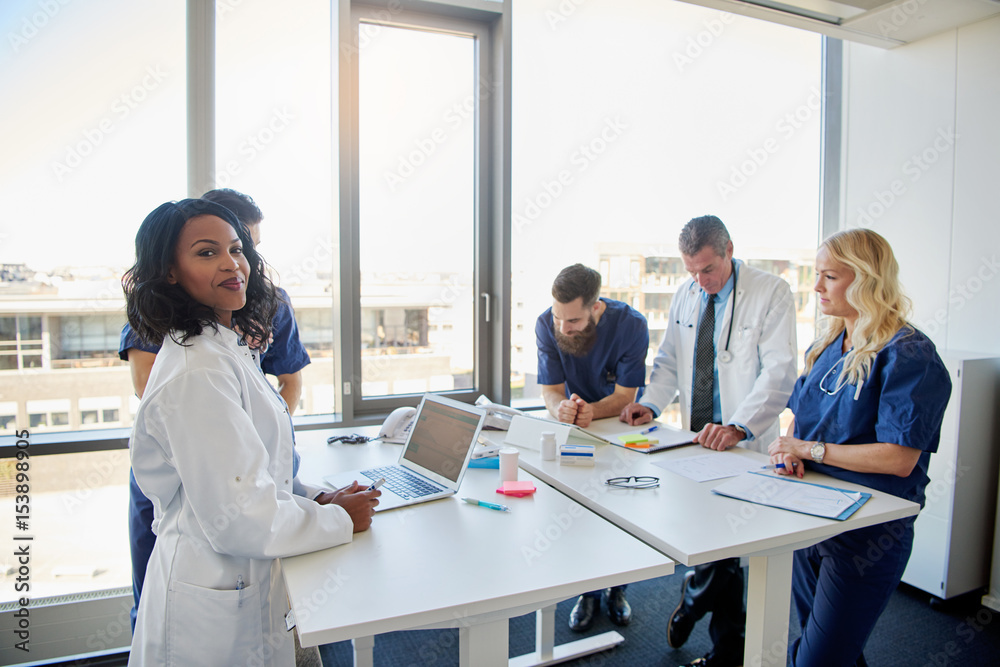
(449, 564)
(684, 520)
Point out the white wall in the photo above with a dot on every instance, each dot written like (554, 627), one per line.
(922, 167)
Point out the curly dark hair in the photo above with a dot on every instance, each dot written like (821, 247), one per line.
(156, 309)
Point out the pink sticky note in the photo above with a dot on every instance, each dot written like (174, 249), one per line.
(517, 488)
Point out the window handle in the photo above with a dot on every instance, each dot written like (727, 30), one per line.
(486, 305)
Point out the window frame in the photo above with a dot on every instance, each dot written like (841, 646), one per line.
(491, 198)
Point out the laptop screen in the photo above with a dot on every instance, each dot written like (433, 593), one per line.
(442, 436)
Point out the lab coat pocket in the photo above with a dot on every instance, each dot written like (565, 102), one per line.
(206, 626)
(746, 337)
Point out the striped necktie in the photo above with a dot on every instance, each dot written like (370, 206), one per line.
(703, 389)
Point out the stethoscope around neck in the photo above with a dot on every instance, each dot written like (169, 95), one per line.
(726, 356)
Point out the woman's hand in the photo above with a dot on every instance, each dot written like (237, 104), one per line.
(358, 502)
(791, 452)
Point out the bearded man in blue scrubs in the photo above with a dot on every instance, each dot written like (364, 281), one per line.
(591, 364)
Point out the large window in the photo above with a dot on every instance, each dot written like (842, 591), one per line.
(632, 117)
(274, 133)
(425, 86)
(94, 108)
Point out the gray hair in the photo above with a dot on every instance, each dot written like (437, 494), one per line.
(707, 230)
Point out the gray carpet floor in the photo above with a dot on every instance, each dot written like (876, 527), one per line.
(912, 632)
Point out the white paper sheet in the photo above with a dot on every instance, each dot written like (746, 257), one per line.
(706, 467)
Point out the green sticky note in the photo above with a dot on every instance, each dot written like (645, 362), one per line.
(633, 439)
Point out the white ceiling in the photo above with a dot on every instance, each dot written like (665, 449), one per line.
(885, 23)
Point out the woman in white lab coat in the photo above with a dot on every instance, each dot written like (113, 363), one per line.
(212, 449)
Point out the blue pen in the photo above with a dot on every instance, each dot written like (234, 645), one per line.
(775, 466)
(482, 503)
(649, 430)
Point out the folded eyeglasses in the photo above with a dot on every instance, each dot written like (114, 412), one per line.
(641, 482)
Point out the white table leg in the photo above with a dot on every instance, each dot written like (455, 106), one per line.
(769, 596)
(363, 649)
(483, 644)
(547, 653)
(545, 632)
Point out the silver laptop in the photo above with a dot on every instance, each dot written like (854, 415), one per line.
(434, 458)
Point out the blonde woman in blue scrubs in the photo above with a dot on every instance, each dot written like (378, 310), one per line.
(868, 409)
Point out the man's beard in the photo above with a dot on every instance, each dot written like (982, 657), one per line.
(580, 343)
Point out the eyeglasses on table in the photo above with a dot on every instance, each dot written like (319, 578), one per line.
(634, 482)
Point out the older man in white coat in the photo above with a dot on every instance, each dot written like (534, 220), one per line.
(729, 354)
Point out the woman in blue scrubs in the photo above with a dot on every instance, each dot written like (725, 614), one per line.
(868, 409)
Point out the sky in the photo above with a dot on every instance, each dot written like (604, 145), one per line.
(629, 118)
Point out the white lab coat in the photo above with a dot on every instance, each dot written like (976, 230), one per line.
(755, 385)
(212, 449)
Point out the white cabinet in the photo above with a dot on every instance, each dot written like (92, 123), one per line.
(992, 597)
(953, 540)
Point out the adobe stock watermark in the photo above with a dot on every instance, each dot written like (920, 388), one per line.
(423, 148)
(748, 510)
(775, 654)
(34, 22)
(308, 267)
(441, 648)
(914, 167)
(580, 160)
(121, 108)
(254, 144)
(758, 156)
(370, 29)
(562, 12)
(560, 523)
(696, 45)
(962, 293)
(223, 8)
(97, 477)
(108, 637)
(966, 631)
(899, 16)
(304, 606)
(877, 548)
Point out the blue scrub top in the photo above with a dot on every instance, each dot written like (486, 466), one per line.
(901, 402)
(618, 355)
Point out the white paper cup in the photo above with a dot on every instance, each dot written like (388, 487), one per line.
(508, 465)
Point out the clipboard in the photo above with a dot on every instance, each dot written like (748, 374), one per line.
(771, 490)
(525, 431)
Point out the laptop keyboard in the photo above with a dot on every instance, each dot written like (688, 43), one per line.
(402, 482)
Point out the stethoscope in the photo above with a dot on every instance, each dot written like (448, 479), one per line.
(726, 356)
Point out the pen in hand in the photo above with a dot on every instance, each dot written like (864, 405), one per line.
(775, 466)
(377, 484)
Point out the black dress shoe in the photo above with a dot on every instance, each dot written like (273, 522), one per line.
(582, 616)
(709, 661)
(618, 608)
(681, 623)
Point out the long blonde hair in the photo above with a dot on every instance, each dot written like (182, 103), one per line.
(876, 295)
